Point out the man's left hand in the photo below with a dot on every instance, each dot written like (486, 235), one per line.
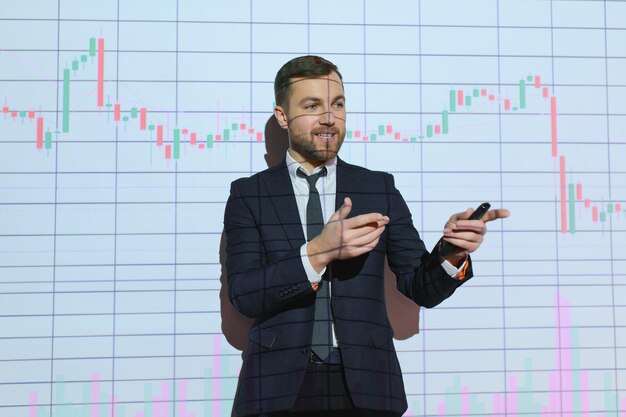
(468, 235)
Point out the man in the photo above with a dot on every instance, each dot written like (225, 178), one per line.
(321, 342)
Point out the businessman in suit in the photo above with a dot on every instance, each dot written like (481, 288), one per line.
(306, 243)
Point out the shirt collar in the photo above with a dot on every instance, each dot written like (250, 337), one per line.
(293, 165)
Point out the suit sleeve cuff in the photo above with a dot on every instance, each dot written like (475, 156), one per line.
(453, 271)
(311, 274)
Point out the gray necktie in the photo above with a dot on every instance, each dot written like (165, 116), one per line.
(322, 327)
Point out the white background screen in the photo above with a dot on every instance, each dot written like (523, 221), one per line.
(123, 124)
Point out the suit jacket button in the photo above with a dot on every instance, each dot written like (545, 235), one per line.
(304, 350)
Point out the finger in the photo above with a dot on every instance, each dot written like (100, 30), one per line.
(363, 234)
(466, 245)
(470, 237)
(487, 217)
(456, 217)
(343, 211)
(477, 226)
(366, 219)
(368, 238)
(496, 214)
(466, 214)
(362, 244)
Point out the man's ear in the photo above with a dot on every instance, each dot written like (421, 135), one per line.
(281, 117)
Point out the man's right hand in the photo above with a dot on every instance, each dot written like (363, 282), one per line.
(343, 238)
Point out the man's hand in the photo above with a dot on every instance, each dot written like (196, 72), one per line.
(468, 235)
(344, 238)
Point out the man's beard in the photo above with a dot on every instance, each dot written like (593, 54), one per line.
(305, 145)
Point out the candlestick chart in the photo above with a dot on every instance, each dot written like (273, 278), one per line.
(122, 126)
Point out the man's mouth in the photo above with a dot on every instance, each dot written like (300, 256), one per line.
(325, 135)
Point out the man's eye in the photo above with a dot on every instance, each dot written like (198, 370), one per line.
(339, 105)
(311, 106)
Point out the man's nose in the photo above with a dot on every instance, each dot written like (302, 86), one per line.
(327, 118)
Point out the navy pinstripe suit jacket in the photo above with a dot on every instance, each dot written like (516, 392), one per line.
(267, 282)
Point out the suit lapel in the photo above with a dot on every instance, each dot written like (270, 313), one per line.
(280, 191)
(346, 182)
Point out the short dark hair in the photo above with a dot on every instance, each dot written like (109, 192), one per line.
(303, 66)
